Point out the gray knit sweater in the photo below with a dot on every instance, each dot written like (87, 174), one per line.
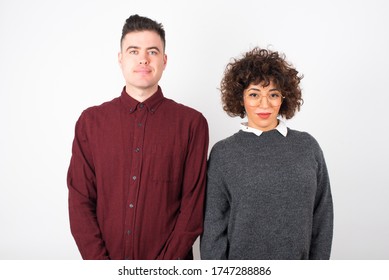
(268, 197)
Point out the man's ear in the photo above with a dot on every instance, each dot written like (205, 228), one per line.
(120, 58)
(164, 61)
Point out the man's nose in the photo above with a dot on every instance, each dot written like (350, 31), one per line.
(144, 59)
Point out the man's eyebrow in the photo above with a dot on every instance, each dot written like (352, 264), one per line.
(132, 47)
(137, 48)
(153, 48)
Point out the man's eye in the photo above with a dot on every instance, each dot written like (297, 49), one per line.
(133, 52)
(153, 53)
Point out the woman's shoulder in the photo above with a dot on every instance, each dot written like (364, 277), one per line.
(228, 141)
(226, 146)
(303, 137)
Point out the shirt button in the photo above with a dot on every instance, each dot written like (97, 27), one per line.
(134, 178)
(129, 232)
(141, 105)
(137, 150)
(131, 205)
(139, 124)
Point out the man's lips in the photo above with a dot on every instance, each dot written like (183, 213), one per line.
(264, 115)
(142, 70)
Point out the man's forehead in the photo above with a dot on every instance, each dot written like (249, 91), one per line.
(142, 39)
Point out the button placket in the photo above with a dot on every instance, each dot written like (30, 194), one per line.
(140, 117)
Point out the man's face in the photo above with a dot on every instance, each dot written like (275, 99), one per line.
(142, 60)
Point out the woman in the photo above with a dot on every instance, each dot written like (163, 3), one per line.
(268, 190)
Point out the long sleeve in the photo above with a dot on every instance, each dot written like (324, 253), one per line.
(83, 198)
(189, 223)
(214, 241)
(322, 228)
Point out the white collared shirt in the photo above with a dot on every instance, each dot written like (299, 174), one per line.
(281, 127)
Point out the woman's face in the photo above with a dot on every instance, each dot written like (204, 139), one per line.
(262, 105)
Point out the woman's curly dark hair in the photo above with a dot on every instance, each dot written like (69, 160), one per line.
(260, 66)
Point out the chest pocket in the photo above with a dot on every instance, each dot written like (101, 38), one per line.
(166, 163)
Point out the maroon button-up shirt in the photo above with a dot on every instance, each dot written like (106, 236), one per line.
(137, 179)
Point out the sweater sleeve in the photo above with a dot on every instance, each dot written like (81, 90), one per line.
(214, 241)
(82, 197)
(322, 228)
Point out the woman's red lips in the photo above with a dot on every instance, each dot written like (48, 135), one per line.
(264, 115)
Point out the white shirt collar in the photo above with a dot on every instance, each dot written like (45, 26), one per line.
(281, 127)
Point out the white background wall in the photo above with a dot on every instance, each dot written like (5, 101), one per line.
(60, 57)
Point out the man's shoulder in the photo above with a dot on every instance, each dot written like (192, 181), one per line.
(103, 108)
(179, 106)
(181, 109)
(102, 113)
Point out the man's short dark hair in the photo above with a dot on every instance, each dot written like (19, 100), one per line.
(138, 23)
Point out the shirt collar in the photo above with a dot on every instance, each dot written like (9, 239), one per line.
(151, 104)
(281, 127)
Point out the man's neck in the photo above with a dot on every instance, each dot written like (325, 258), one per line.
(141, 94)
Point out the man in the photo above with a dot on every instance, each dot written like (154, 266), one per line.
(137, 175)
